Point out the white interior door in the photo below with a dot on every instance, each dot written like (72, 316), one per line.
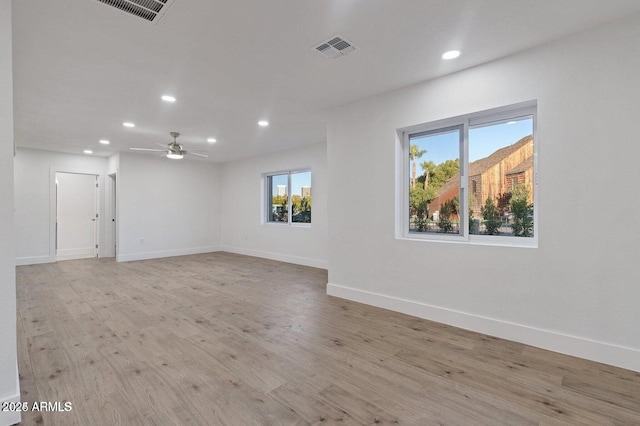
(76, 216)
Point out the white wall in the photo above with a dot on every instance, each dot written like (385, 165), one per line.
(113, 163)
(34, 195)
(166, 207)
(243, 230)
(9, 385)
(578, 292)
(152, 193)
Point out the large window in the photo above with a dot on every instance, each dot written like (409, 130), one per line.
(288, 197)
(472, 178)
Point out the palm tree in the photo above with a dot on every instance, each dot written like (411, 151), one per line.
(426, 166)
(414, 154)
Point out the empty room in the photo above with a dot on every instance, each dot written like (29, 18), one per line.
(416, 212)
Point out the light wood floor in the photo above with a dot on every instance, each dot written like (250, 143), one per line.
(223, 339)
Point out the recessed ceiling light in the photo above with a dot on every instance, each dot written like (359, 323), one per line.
(168, 98)
(263, 123)
(211, 140)
(452, 54)
(127, 124)
(88, 151)
(104, 142)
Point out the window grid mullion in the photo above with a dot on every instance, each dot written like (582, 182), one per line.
(463, 214)
(289, 195)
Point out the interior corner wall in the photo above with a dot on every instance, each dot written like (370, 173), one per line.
(166, 207)
(113, 163)
(33, 187)
(243, 229)
(578, 292)
(9, 384)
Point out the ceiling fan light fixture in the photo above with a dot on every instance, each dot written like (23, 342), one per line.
(173, 151)
(174, 155)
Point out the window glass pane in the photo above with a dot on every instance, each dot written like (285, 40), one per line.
(301, 197)
(501, 178)
(434, 181)
(278, 198)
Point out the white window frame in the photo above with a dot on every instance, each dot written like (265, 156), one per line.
(266, 202)
(464, 122)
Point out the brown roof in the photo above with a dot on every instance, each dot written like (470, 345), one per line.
(451, 183)
(482, 165)
(525, 165)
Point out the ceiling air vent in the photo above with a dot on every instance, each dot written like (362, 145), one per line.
(336, 47)
(149, 10)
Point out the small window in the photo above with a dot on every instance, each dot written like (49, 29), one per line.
(472, 178)
(288, 197)
(514, 182)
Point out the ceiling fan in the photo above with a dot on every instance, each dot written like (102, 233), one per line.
(173, 150)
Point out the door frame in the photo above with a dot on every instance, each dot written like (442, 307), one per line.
(111, 217)
(53, 206)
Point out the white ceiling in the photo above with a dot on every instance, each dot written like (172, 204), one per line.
(81, 68)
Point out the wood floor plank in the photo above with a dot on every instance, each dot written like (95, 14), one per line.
(224, 339)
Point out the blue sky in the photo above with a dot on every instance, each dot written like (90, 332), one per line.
(298, 180)
(483, 141)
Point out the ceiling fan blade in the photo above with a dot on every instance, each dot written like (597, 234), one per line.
(164, 145)
(147, 149)
(199, 155)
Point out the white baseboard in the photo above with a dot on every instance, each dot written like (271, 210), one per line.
(75, 256)
(11, 417)
(165, 253)
(34, 260)
(606, 353)
(305, 261)
(75, 253)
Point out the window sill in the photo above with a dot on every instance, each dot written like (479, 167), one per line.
(292, 225)
(477, 240)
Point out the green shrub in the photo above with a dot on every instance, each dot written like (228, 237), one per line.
(445, 224)
(522, 210)
(522, 225)
(447, 209)
(492, 221)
